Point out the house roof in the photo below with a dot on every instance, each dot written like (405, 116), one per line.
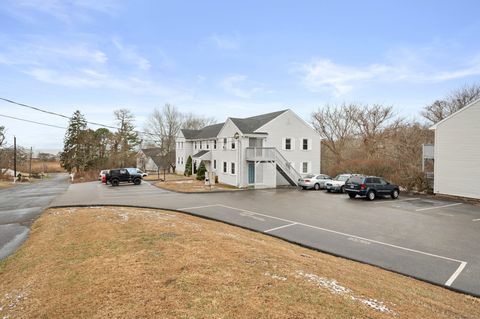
(246, 125)
(200, 154)
(434, 126)
(206, 132)
(251, 124)
(151, 152)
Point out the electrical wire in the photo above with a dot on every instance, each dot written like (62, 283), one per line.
(35, 122)
(61, 115)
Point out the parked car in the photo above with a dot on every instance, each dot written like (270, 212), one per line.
(123, 175)
(102, 173)
(370, 187)
(133, 170)
(338, 183)
(316, 182)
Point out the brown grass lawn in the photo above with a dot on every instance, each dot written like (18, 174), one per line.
(138, 263)
(193, 185)
(6, 184)
(168, 177)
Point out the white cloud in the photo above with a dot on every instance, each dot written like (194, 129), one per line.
(323, 74)
(238, 86)
(130, 55)
(225, 42)
(67, 11)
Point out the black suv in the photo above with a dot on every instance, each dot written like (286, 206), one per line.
(120, 175)
(370, 187)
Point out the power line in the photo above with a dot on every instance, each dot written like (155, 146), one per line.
(61, 115)
(52, 113)
(29, 121)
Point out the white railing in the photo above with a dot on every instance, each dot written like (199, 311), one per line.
(272, 154)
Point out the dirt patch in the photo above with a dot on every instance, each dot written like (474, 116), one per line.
(167, 177)
(139, 263)
(193, 185)
(5, 184)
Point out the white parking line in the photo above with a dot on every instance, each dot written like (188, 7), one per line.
(396, 201)
(185, 208)
(455, 274)
(435, 207)
(476, 220)
(280, 227)
(448, 283)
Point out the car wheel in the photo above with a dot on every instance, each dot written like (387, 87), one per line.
(352, 195)
(328, 191)
(137, 181)
(395, 194)
(371, 195)
(342, 189)
(115, 182)
(317, 187)
(304, 188)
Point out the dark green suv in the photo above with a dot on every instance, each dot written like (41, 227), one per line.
(370, 187)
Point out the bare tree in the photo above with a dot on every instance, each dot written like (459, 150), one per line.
(126, 138)
(2, 135)
(337, 125)
(195, 122)
(459, 98)
(375, 123)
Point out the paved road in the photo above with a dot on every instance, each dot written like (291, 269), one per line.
(433, 240)
(21, 205)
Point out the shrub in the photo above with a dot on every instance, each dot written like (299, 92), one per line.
(201, 171)
(188, 167)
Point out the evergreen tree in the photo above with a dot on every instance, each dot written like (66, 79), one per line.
(188, 167)
(201, 171)
(72, 156)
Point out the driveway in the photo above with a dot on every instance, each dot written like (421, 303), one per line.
(429, 239)
(21, 205)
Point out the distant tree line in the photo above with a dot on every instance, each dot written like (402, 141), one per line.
(374, 139)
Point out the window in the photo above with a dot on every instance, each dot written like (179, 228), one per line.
(195, 145)
(208, 144)
(214, 164)
(224, 143)
(305, 167)
(233, 144)
(305, 144)
(200, 144)
(214, 144)
(288, 143)
(224, 167)
(182, 161)
(178, 160)
(233, 168)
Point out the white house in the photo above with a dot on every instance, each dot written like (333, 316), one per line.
(267, 150)
(152, 160)
(457, 153)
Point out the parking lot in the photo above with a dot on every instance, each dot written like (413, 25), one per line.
(434, 240)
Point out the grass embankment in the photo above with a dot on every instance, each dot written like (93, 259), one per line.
(133, 263)
(6, 184)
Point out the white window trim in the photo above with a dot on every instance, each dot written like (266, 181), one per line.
(235, 166)
(292, 143)
(224, 167)
(309, 144)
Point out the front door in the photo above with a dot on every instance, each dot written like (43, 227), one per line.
(251, 173)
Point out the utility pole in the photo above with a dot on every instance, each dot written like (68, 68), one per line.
(30, 169)
(14, 158)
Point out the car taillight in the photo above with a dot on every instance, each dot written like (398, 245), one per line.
(363, 186)
(307, 181)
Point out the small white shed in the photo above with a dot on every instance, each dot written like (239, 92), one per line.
(457, 153)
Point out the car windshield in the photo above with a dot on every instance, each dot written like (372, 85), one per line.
(309, 176)
(132, 170)
(342, 178)
(355, 180)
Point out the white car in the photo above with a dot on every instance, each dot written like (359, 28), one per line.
(315, 181)
(338, 183)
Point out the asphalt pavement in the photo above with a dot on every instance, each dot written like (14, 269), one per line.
(426, 238)
(21, 205)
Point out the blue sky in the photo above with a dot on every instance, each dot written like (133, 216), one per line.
(225, 58)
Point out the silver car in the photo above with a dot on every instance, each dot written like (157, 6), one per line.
(315, 181)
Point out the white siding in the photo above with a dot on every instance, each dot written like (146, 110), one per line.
(288, 125)
(230, 156)
(457, 154)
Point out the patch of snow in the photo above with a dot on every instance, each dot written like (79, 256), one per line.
(274, 276)
(336, 288)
